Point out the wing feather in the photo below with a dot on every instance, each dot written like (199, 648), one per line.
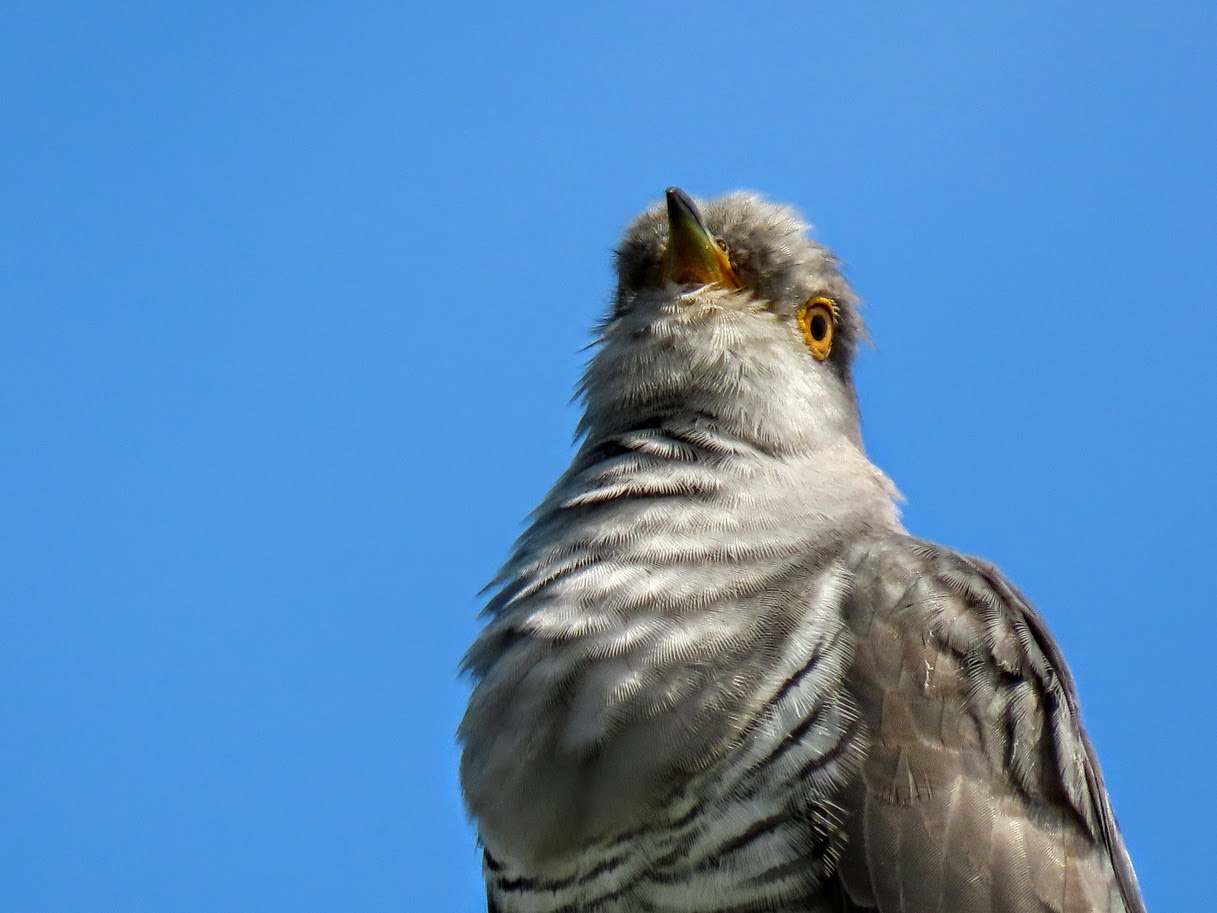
(980, 792)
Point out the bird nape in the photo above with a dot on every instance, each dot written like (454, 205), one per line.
(717, 674)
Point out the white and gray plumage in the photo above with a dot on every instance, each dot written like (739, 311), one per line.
(718, 675)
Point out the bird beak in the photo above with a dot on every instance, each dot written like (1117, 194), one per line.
(694, 257)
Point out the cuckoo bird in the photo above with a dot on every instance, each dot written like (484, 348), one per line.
(718, 675)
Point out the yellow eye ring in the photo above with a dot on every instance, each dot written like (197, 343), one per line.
(817, 319)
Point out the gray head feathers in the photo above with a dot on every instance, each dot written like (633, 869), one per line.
(769, 248)
(736, 357)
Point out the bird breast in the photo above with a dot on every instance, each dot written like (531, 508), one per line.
(650, 611)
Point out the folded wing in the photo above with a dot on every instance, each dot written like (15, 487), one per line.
(980, 790)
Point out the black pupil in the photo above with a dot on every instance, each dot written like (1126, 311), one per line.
(819, 327)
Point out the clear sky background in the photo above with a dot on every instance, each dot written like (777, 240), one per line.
(292, 298)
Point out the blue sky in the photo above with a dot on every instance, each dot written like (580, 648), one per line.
(291, 304)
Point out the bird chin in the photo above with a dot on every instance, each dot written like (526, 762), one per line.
(686, 298)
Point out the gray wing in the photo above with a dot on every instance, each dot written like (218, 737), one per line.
(980, 790)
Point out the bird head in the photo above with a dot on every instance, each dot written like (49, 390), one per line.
(728, 311)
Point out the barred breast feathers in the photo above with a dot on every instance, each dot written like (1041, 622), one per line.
(671, 574)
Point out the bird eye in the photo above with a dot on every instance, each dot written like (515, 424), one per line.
(722, 245)
(817, 319)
